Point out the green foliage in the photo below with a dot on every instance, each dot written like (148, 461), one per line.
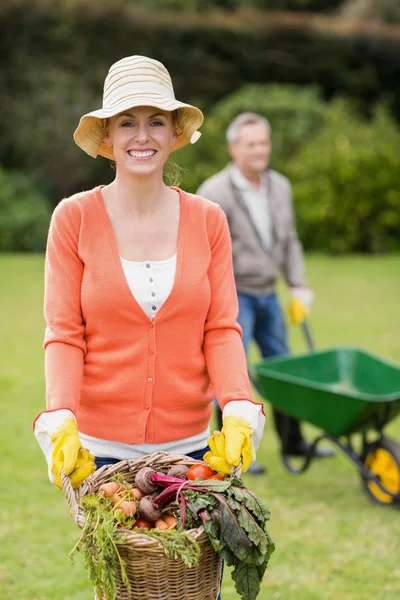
(99, 546)
(235, 520)
(55, 65)
(299, 5)
(346, 183)
(178, 545)
(295, 114)
(24, 213)
(343, 167)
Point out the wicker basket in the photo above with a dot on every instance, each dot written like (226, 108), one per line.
(151, 574)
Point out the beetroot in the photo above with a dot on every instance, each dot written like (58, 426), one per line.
(147, 510)
(143, 480)
(178, 471)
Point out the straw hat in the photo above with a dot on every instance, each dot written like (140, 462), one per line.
(136, 81)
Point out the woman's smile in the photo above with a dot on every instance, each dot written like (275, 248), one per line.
(142, 154)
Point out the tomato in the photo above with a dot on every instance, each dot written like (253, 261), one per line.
(143, 524)
(219, 477)
(201, 471)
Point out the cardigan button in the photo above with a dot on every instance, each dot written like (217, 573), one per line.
(151, 352)
(149, 380)
(151, 325)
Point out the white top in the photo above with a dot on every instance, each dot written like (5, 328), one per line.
(150, 282)
(256, 200)
(109, 449)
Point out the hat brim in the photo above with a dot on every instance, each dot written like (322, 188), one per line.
(89, 135)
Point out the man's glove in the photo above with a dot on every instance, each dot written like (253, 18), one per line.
(300, 305)
(231, 446)
(57, 434)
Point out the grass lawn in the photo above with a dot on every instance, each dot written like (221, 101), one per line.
(331, 544)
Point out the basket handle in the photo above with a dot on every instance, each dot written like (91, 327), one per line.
(237, 471)
(70, 495)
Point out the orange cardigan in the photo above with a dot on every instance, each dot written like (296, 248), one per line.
(128, 378)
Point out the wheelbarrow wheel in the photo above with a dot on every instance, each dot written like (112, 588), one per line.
(383, 459)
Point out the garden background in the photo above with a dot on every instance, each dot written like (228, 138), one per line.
(326, 73)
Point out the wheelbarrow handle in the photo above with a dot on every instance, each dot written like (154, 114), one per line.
(307, 334)
(310, 344)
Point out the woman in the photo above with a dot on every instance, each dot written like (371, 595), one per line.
(140, 301)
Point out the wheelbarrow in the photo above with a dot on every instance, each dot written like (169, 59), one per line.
(343, 391)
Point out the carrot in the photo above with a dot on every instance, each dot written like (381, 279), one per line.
(161, 525)
(108, 489)
(128, 508)
(116, 499)
(136, 493)
(170, 521)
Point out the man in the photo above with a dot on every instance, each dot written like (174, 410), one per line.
(258, 205)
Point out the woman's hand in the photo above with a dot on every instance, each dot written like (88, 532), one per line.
(69, 456)
(231, 446)
(57, 434)
(237, 442)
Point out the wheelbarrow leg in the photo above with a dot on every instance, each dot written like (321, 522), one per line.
(288, 430)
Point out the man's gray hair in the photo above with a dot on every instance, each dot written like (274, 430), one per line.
(246, 118)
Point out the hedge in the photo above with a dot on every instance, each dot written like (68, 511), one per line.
(56, 55)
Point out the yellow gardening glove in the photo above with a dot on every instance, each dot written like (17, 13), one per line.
(230, 446)
(297, 312)
(68, 455)
(216, 458)
(85, 466)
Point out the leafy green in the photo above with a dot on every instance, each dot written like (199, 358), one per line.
(247, 580)
(251, 501)
(215, 485)
(99, 547)
(233, 534)
(235, 521)
(178, 545)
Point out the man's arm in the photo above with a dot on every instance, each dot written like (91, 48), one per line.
(293, 266)
(294, 271)
(216, 192)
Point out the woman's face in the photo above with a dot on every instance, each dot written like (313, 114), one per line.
(142, 138)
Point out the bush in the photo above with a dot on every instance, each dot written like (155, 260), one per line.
(346, 184)
(24, 214)
(55, 64)
(295, 114)
(343, 168)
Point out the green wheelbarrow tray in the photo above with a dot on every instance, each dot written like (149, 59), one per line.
(342, 391)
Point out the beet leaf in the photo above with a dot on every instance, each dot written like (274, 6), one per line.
(233, 534)
(247, 581)
(250, 500)
(235, 521)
